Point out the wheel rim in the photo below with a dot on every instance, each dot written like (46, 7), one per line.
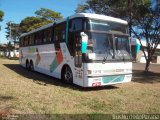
(68, 75)
(31, 67)
(27, 65)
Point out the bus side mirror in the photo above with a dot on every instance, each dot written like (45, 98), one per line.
(84, 42)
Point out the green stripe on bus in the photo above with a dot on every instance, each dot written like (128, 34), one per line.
(67, 26)
(113, 79)
(138, 46)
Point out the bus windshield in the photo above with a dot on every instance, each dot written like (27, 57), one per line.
(108, 41)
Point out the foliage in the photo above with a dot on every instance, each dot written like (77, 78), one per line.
(2, 48)
(10, 47)
(148, 25)
(1, 15)
(115, 8)
(44, 16)
(30, 23)
(48, 14)
(13, 31)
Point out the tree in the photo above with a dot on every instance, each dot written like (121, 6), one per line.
(94, 6)
(43, 16)
(30, 23)
(48, 14)
(148, 25)
(143, 20)
(12, 34)
(13, 31)
(1, 16)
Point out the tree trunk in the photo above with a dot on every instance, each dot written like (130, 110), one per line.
(147, 65)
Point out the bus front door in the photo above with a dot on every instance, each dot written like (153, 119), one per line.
(78, 61)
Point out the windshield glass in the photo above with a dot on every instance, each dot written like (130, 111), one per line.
(122, 47)
(108, 47)
(101, 45)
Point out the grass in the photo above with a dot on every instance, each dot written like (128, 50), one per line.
(23, 92)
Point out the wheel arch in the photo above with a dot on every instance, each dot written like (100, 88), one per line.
(31, 65)
(65, 65)
(31, 61)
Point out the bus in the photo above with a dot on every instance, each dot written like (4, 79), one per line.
(84, 49)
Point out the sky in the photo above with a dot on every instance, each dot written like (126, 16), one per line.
(16, 10)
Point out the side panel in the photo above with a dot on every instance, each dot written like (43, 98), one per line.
(44, 58)
(49, 61)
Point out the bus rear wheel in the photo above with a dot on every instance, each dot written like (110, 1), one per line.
(67, 75)
(31, 66)
(27, 65)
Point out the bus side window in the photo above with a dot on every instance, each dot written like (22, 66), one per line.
(38, 38)
(21, 42)
(29, 39)
(59, 33)
(55, 34)
(47, 35)
(32, 39)
(26, 41)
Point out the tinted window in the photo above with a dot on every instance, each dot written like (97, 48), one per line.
(21, 41)
(25, 41)
(75, 25)
(47, 35)
(59, 32)
(38, 37)
(32, 39)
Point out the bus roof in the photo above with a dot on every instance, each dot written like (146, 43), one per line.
(79, 15)
(99, 17)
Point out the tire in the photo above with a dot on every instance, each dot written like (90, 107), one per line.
(31, 67)
(67, 75)
(27, 65)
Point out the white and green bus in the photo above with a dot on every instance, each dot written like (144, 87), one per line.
(84, 49)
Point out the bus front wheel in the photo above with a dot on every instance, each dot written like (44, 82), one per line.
(67, 75)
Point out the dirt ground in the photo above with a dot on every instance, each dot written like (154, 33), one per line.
(141, 66)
